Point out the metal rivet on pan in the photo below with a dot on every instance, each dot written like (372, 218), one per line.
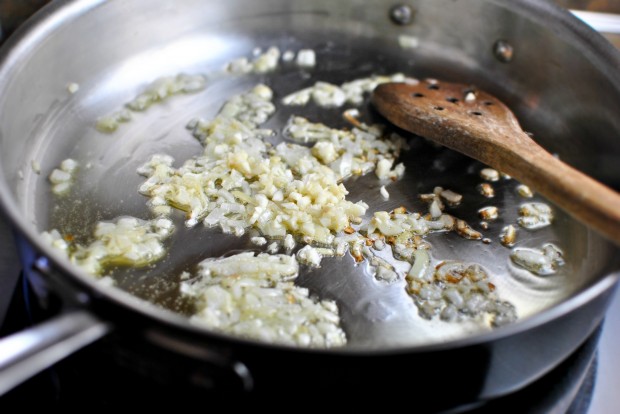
(503, 51)
(401, 14)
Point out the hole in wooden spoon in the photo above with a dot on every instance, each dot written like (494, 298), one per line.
(453, 100)
(418, 95)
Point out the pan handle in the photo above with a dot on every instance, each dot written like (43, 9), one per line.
(26, 353)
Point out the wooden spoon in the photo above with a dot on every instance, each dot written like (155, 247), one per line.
(479, 125)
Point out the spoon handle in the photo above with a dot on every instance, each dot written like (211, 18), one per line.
(585, 199)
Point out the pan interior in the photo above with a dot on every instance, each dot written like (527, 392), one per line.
(374, 313)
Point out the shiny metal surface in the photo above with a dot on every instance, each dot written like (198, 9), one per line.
(141, 41)
(29, 352)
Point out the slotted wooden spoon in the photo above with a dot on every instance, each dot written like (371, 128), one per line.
(482, 127)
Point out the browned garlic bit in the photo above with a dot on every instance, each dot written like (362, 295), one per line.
(508, 235)
(352, 117)
(456, 291)
(535, 215)
(486, 190)
(489, 213)
(435, 205)
(464, 230)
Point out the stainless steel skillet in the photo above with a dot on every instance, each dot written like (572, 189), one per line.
(113, 49)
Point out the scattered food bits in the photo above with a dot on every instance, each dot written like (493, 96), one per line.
(486, 190)
(542, 262)
(306, 58)
(259, 241)
(386, 274)
(379, 244)
(352, 116)
(383, 168)
(310, 256)
(262, 63)
(62, 178)
(286, 193)
(470, 96)
(255, 297)
(273, 248)
(489, 174)
(110, 123)
(347, 152)
(69, 165)
(452, 198)
(489, 213)
(535, 215)
(408, 42)
(327, 95)
(289, 242)
(158, 91)
(384, 193)
(72, 87)
(36, 167)
(125, 241)
(457, 291)
(524, 191)
(464, 230)
(288, 56)
(508, 236)
(163, 88)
